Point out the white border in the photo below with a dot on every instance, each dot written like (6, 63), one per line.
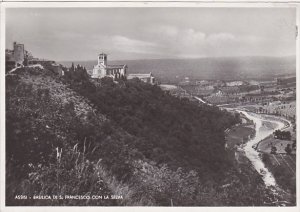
(9, 4)
(180, 1)
(136, 3)
(2, 106)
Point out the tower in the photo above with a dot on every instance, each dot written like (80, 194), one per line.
(102, 59)
(19, 53)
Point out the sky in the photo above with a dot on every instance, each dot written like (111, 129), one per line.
(151, 33)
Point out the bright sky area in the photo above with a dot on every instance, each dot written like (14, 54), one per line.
(148, 33)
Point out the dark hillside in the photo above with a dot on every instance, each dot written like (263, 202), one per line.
(71, 136)
(170, 130)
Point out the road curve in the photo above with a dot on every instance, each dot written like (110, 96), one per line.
(260, 134)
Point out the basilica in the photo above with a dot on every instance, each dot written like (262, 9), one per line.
(102, 69)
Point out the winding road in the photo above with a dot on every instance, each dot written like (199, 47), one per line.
(261, 133)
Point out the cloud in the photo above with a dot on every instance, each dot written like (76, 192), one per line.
(221, 37)
(166, 33)
(67, 33)
(125, 44)
(190, 37)
(173, 42)
(189, 42)
(163, 30)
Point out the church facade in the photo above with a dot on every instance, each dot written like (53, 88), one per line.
(102, 69)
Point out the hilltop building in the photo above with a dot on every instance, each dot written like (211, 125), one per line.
(9, 59)
(19, 57)
(19, 53)
(147, 78)
(16, 57)
(102, 69)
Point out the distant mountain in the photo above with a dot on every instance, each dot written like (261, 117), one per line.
(225, 68)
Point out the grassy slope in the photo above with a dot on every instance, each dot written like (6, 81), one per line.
(283, 167)
(59, 143)
(40, 114)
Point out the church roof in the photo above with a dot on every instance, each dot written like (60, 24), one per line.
(139, 75)
(114, 66)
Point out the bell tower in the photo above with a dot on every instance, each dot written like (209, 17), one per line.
(102, 59)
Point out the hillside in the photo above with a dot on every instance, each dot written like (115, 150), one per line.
(73, 136)
(226, 68)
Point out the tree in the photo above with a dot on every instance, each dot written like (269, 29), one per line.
(287, 135)
(273, 150)
(72, 67)
(284, 135)
(277, 133)
(294, 144)
(288, 149)
(294, 128)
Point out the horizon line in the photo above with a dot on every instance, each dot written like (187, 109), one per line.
(179, 58)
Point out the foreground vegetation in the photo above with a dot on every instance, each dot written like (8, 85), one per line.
(283, 167)
(73, 136)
